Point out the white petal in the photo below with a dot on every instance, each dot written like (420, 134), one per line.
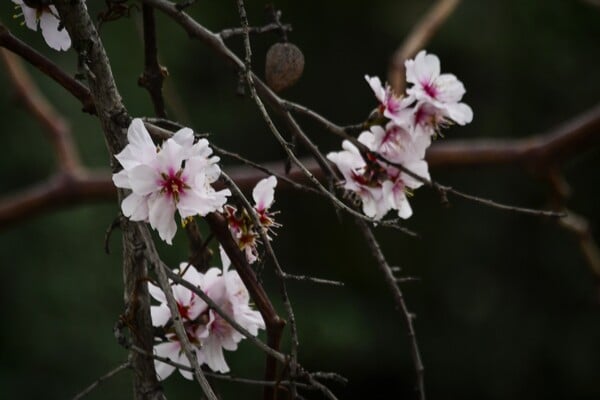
(225, 261)
(213, 355)
(55, 38)
(264, 192)
(29, 14)
(160, 315)
(460, 112)
(168, 350)
(184, 137)
(162, 217)
(156, 292)
(377, 87)
(135, 207)
(121, 179)
(451, 90)
(144, 180)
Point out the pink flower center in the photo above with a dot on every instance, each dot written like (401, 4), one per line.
(430, 89)
(173, 184)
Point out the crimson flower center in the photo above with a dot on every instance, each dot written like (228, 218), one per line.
(430, 89)
(173, 184)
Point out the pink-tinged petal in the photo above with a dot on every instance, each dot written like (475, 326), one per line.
(56, 38)
(160, 315)
(460, 113)
(375, 84)
(183, 296)
(190, 204)
(156, 293)
(170, 157)
(144, 180)
(264, 193)
(427, 67)
(162, 217)
(135, 207)
(213, 355)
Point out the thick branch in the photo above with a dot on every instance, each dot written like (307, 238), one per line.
(114, 119)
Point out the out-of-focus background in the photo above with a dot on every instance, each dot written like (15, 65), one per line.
(506, 305)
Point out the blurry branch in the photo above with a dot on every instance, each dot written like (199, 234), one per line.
(420, 35)
(48, 68)
(154, 74)
(54, 125)
(101, 380)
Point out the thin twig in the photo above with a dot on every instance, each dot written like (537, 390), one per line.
(101, 380)
(312, 279)
(409, 317)
(272, 27)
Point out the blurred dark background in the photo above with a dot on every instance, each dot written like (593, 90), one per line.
(506, 305)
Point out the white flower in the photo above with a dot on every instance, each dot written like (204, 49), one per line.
(380, 185)
(391, 106)
(364, 179)
(207, 331)
(191, 307)
(46, 17)
(230, 294)
(443, 91)
(177, 177)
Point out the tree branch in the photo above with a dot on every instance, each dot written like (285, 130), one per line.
(420, 35)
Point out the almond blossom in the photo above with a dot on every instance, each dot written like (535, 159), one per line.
(380, 186)
(208, 333)
(391, 106)
(242, 226)
(45, 15)
(442, 91)
(176, 177)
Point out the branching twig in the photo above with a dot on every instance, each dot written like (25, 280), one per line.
(409, 317)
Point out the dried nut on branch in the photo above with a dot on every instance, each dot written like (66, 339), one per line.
(284, 66)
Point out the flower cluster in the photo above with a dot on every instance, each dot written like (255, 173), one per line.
(175, 177)
(242, 225)
(44, 14)
(207, 331)
(404, 130)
